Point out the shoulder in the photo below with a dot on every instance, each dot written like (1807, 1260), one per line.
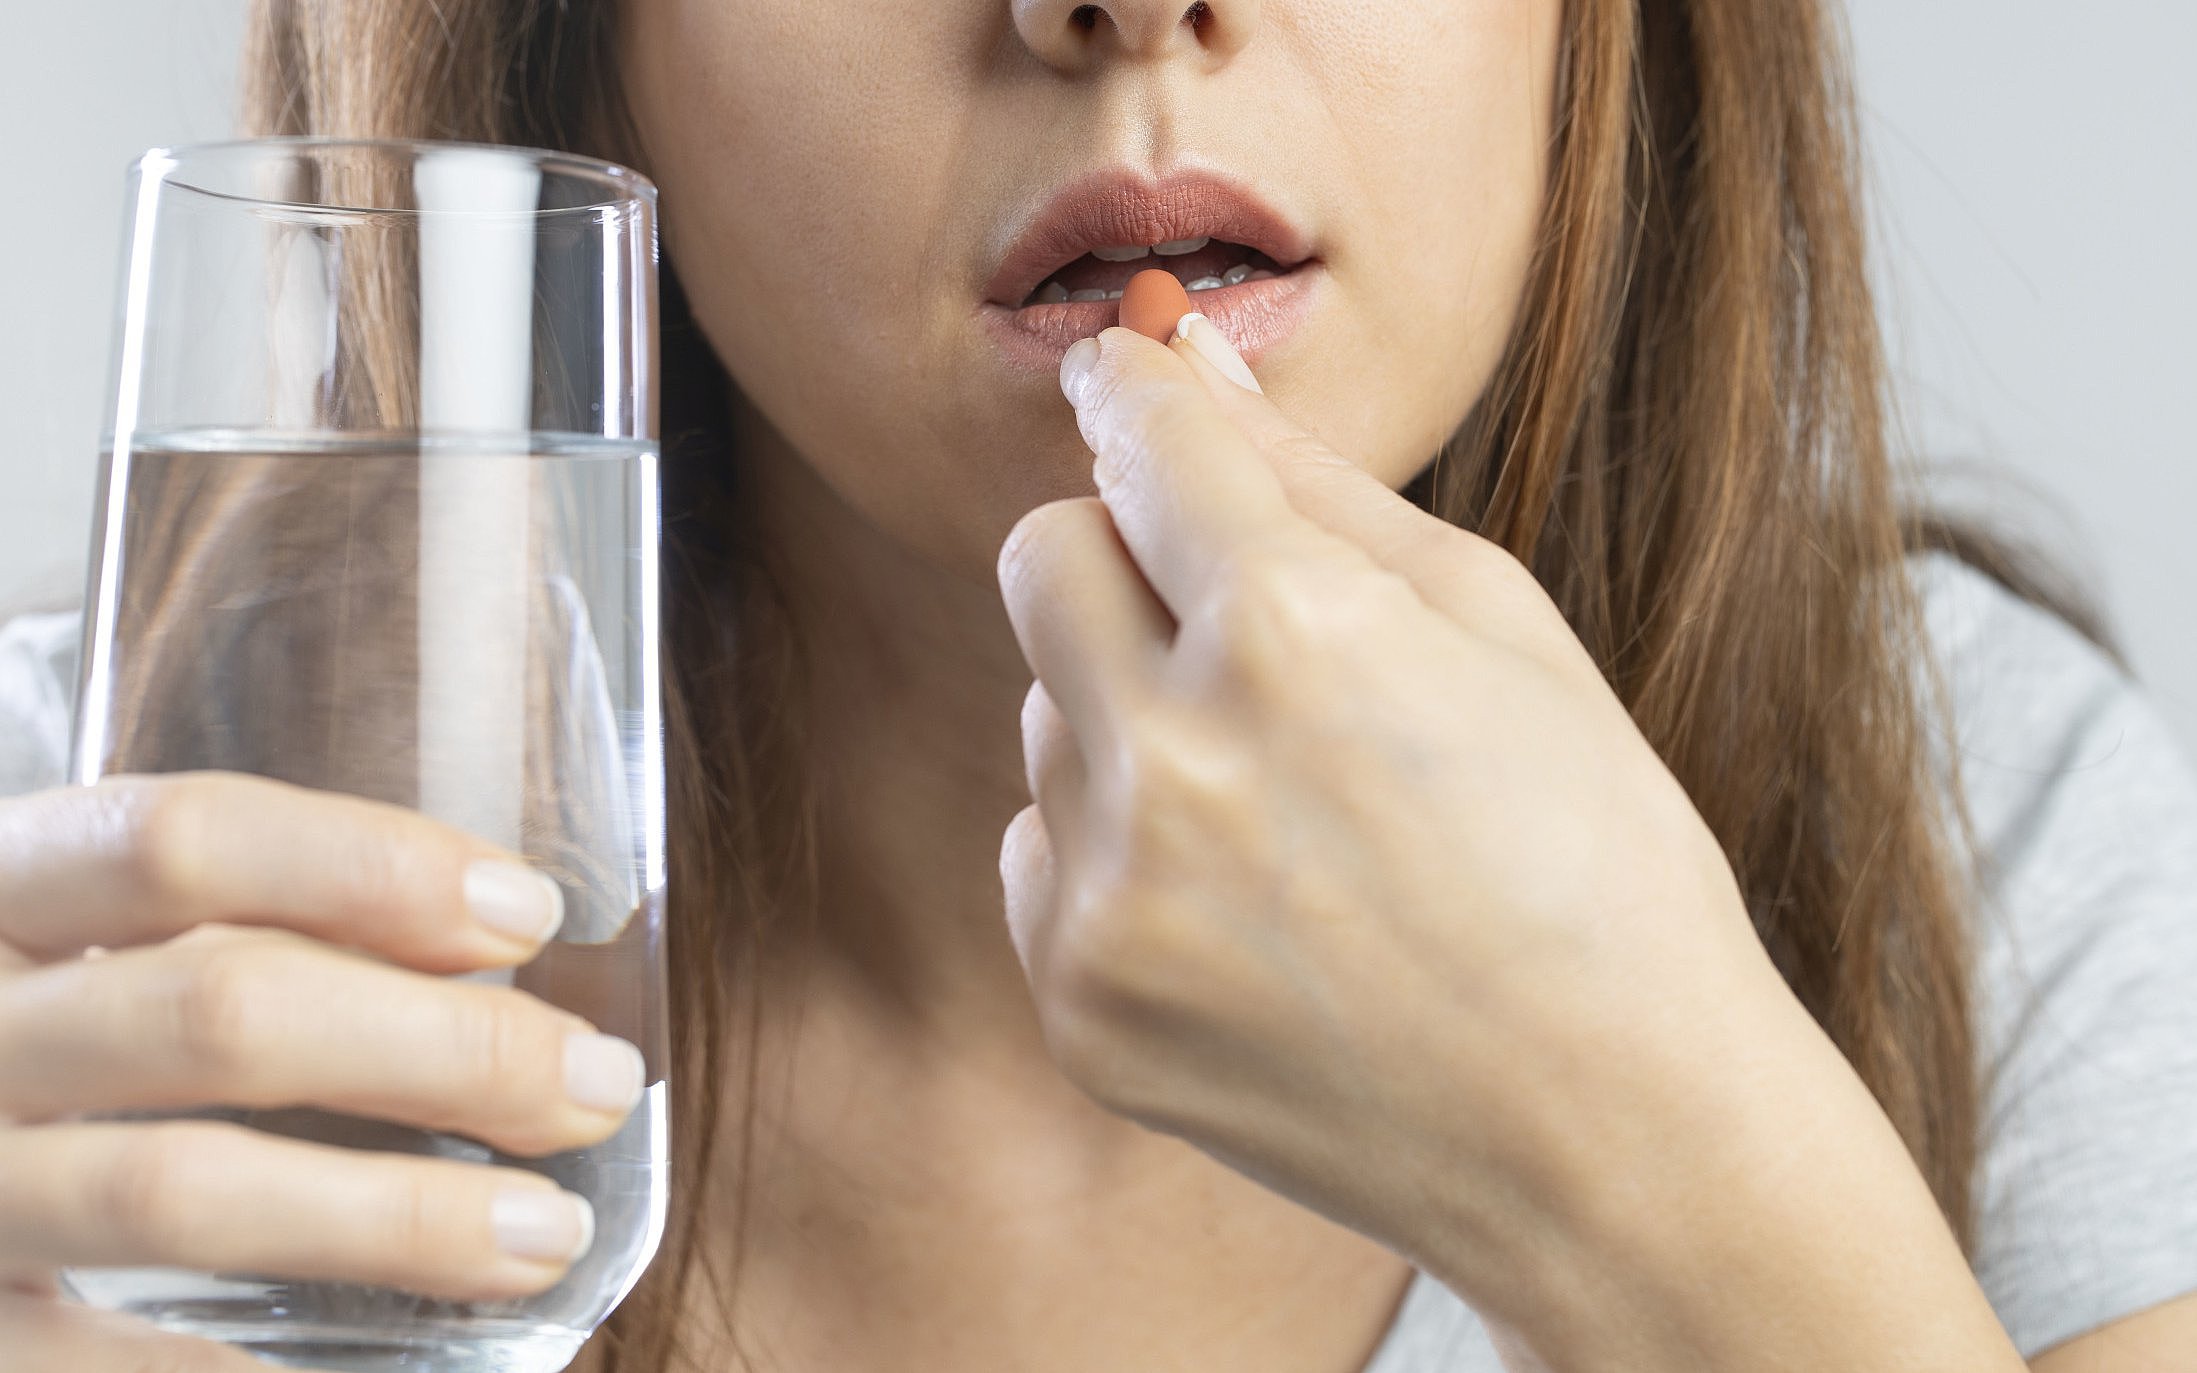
(2083, 799)
(2036, 707)
(2084, 807)
(2071, 776)
(38, 654)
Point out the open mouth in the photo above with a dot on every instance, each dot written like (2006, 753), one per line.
(1201, 264)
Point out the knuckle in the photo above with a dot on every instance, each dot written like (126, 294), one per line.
(1178, 780)
(1048, 744)
(1489, 558)
(1018, 842)
(1491, 567)
(1037, 712)
(1106, 954)
(1271, 614)
(1510, 601)
(150, 1191)
(220, 1015)
(165, 831)
(412, 1220)
(1045, 526)
(512, 1054)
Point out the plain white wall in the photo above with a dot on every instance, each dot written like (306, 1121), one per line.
(2033, 167)
(2034, 209)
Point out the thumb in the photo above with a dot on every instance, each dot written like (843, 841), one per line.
(1324, 486)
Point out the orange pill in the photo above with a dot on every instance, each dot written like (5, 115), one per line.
(1152, 302)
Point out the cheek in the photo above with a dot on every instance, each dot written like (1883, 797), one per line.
(813, 208)
(1449, 117)
(793, 188)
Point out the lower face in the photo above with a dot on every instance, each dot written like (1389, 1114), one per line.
(836, 182)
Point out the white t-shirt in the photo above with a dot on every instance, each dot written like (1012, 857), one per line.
(2086, 813)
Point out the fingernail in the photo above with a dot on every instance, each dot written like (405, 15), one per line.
(513, 899)
(602, 1071)
(1075, 365)
(1214, 347)
(536, 1223)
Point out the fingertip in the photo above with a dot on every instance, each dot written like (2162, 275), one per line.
(516, 902)
(1204, 338)
(1076, 365)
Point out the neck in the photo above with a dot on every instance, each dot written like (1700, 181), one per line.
(918, 1132)
(914, 687)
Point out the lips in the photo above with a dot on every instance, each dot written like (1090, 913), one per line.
(1119, 205)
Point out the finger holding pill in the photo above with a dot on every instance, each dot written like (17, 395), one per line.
(1155, 305)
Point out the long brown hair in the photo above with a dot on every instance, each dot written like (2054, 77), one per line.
(1687, 441)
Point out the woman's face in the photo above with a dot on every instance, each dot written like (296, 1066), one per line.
(840, 181)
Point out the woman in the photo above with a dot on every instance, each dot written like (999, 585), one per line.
(1476, 890)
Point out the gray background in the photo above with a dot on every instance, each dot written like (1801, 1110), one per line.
(2031, 167)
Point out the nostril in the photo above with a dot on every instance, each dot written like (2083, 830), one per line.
(1086, 17)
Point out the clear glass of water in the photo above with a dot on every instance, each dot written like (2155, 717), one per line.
(378, 514)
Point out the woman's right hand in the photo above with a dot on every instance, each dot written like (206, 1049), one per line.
(270, 945)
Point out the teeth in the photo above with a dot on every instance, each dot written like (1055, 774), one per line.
(1053, 293)
(1234, 276)
(1130, 252)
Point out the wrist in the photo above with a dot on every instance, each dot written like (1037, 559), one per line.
(1753, 1206)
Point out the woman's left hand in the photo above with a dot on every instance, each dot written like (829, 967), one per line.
(1347, 865)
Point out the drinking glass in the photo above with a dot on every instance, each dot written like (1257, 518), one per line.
(378, 514)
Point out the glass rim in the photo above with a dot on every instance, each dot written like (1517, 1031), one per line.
(622, 185)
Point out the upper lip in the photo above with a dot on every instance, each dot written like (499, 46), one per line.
(1119, 205)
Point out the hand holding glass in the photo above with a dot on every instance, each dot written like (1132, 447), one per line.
(378, 516)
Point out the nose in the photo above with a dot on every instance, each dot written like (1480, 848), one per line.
(1073, 36)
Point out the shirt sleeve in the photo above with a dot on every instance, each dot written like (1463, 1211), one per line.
(2085, 811)
(37, 686)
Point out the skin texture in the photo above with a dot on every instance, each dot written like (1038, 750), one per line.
(1351, 919)
(894, 450)
(196, 937)
(993, 1140)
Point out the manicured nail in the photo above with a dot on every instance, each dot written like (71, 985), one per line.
(536, 1223)
(1214, 347)
(514, 900)
(1075, 365)
(602, 1071)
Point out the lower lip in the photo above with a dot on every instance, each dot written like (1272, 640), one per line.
(1256, 316)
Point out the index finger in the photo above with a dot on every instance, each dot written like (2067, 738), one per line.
(137, 859)
(1186, 488)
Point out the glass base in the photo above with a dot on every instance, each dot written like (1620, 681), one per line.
(470, 1346)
